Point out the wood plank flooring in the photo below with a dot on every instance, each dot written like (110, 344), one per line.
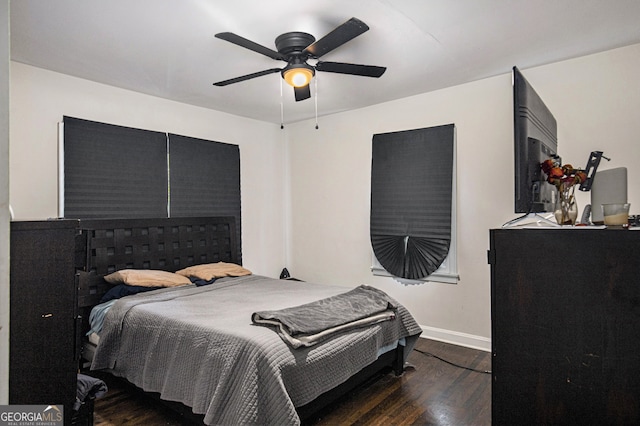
(430, 392)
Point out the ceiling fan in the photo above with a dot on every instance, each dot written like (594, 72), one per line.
(296, 48)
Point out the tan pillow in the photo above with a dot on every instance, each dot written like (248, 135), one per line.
(147, 278)
(209, 271)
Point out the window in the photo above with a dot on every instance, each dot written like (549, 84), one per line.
(110, 171)
(412, 204)
(204, 178)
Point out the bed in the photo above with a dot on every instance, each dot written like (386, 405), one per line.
(197, 344)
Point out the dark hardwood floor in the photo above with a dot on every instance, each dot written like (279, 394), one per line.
(430, 392)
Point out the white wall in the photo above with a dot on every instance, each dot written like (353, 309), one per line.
(40, 98)
(596, 100)
(4, 202)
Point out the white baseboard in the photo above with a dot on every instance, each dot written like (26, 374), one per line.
(456, 338)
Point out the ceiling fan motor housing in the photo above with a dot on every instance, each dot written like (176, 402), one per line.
(293, 42)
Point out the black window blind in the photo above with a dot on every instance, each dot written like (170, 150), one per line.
(411, 194)
(113, 171)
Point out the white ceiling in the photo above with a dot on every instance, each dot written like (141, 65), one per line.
(167, 48)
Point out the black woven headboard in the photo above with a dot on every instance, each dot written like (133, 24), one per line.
(168, 244)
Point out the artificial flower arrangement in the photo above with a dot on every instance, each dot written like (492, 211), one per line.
(564, 178)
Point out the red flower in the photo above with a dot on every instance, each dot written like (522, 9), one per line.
(563, 177)
(581, 176)
(556, 172)
(547, 165)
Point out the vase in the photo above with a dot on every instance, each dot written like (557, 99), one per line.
(566, 208)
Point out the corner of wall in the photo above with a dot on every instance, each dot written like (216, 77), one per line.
(4, 202)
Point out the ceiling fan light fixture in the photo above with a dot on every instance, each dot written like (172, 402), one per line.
(296, 48)
(298, 75)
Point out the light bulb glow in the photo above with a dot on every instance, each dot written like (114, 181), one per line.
(298, 77)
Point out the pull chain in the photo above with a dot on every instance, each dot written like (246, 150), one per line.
(281, 106)
(316, 100)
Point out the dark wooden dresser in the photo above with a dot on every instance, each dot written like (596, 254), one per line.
(565, 308)
(44, 321)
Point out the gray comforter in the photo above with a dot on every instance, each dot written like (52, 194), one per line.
(197, 345)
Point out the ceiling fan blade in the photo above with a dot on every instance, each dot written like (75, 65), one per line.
(247, 77)
(248, 44)
(302, 93)
(336, 38)
(353, 69)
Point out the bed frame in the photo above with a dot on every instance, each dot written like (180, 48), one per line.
(171, 244)
(168, 244)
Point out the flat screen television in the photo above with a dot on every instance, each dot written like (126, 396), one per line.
(535, 140)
